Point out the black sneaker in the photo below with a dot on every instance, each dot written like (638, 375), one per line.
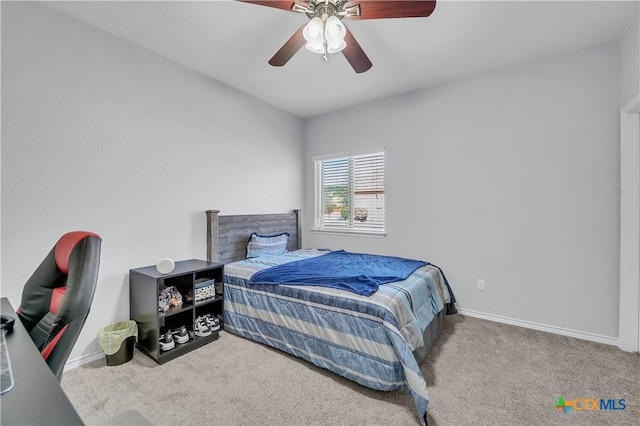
(180, 334)
(166, 341)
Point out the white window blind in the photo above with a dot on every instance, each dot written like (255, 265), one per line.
(349, 193)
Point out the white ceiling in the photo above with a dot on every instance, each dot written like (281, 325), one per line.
(232, 42)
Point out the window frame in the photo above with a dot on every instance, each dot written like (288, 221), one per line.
(349, 230)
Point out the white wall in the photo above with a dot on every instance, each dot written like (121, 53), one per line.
(630, 63)
(102, 135)
(512, 176)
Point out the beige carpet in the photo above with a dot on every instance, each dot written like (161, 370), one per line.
(479, 373)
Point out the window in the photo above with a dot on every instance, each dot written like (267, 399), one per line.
(349, 191)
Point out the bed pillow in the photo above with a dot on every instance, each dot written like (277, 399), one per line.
(262, 245)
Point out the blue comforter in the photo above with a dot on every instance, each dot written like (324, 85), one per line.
(355, 272)
(368, 339)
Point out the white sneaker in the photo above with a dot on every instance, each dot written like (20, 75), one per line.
(201, 328)
(166, 342)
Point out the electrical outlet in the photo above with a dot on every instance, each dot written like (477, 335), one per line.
(480, 285)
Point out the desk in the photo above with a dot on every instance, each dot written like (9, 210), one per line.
(36, 397)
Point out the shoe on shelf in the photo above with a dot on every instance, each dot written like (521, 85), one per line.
(180, 334)
(201, 328)
(166, 341)
(212, 322)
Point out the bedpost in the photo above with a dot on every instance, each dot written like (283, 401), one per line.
(298, 213)
(213, 242)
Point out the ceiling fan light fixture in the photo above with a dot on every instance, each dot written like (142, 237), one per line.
(325, 33)
(325, 36)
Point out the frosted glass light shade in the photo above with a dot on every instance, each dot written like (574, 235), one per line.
(315, 48)
(334, 33)
(336, 47)
(312, 32)
(334, 29)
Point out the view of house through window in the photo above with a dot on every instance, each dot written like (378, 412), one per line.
(350, 193)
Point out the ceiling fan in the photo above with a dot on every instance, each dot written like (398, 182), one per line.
(325, 33)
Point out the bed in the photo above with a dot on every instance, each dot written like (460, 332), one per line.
(376, 340)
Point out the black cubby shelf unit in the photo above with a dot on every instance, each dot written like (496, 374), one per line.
(145, 285)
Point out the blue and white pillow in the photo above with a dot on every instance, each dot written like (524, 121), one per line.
(263, 245)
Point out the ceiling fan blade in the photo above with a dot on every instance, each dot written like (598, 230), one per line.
(355, 55)
(289, 49)
(375, 9)
(278, 4)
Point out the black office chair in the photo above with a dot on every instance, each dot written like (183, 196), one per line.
(57, 298)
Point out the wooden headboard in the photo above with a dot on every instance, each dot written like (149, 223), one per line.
(227, 236)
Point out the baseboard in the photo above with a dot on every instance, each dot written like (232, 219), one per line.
(592, 337)
(84, 359)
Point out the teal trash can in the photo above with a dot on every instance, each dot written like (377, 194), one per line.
(117, 341)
